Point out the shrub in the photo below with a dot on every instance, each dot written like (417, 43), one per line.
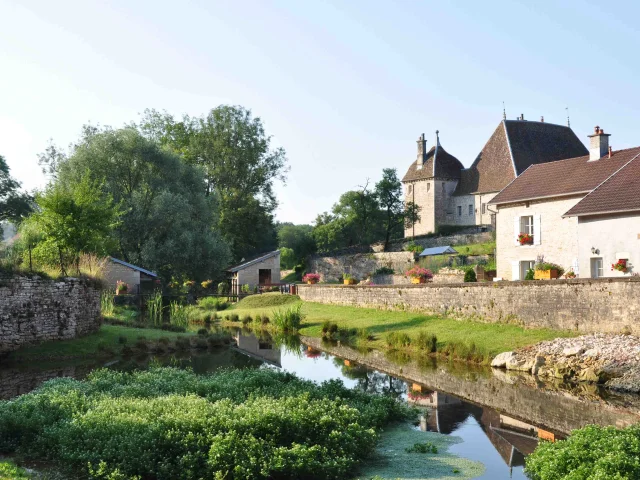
(589, 453)
(246, 320)
(288, 320)
(207, 284)
(426, 341)
(470, 276)
(311, 277)
(178, 315)
(413, 247)
(419, 272)
(106, 304)
(234, 317)
(265, 320)
(398, 339)
(122, 340)
(384, 271)
(203, 332)
(170, 423)
(530, 274)
(212, 303)
(245, 288)
(155, 308)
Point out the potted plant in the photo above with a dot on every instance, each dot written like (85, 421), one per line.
(525, 239)
(570, 274)
(348, 279)
(419, 274)
(620, 266)
(546, 270)
(311, 278)
(122, 288)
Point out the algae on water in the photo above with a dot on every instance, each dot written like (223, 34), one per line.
(392, 461)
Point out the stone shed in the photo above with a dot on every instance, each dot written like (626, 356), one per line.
(139, 279)
(260, 271)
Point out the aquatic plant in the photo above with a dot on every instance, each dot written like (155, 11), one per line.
(178, 315)
(155, 308)
(106, 303)
(288, 320)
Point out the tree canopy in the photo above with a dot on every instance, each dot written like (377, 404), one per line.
(14, 204)
(296, 243)
(168, 224)
(239, 164)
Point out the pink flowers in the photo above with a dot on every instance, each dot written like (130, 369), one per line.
(311, 278)
(419, 272)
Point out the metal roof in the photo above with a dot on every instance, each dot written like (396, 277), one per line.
(255, 260)
(437, 251)
(141, 270)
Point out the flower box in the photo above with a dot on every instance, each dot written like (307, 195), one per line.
(349, 281)
(545, 274)
(312, 281)
(418, 280)
(525, 239)
(311, 278)
(620, 266)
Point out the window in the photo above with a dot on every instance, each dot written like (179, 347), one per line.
(470, 210)
(484, 208)
(526, 225)
(597, 269)
(459, 210)
(525, 266)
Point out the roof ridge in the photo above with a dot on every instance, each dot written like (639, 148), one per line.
(506, 134)
(603, 182)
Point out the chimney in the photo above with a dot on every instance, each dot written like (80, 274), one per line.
(541, 119)
(422, 151)
(599, 146)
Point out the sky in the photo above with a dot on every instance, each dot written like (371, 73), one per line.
(345, 87)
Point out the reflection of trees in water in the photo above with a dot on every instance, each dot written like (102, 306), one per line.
(371, 381)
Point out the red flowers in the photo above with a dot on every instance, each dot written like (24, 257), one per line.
(419, 272)
(311, 278)
(620, 265)
(525, 239)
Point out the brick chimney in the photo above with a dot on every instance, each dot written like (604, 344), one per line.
(422, 151)
(599, 146)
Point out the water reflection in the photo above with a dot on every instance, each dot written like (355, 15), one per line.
(500, 417)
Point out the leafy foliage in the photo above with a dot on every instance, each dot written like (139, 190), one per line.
(470, 276)
(288, 320)
(14, 205)
(296, 243)
(591, 453)
(168, 423)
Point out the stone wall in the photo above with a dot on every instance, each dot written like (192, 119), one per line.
(360, 265)
(586, 305)
(35, 310)
(449, 275)
(453, 240)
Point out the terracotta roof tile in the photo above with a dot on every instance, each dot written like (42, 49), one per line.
(529, 142)
(618, 193)
(563, 177)
(446, 166)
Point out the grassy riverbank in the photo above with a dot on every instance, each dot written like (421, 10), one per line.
(108, 341)
(482, 339)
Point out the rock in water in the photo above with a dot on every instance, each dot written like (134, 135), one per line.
(500, 361)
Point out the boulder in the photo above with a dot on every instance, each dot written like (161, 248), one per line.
(500, 361)
(573, 351)
(537, 364)
(520, 364)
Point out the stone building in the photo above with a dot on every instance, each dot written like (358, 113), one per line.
(582, 213)
(139, 279)
(263, 270)
(449, 194)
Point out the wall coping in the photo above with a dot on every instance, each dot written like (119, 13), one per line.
(501, 284)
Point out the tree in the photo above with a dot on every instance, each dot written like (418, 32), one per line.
(169, 224)
(239, 163)
(396, 215)
(298, 238)
(73, 220)
(14, 205)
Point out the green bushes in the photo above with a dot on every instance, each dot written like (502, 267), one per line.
(530, 275)
(169, 423)
(106, 303)
(178, 315)
(288, 320)
(398, 339)
(155, 309)
(212, 303)
(470, 276)
(384, 271)
(591, 453)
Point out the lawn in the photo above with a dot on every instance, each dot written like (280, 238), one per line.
(489, 338)
(110, 339)
(485, 248)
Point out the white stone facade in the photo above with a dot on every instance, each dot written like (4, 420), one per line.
(555, 237)
(250, 275)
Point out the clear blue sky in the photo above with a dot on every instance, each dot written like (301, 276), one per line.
(345, 87)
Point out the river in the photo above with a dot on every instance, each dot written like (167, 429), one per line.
(499, 416)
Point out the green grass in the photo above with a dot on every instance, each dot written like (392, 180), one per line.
(274, 299)
(488, 338)
(108, 337)
(10, 471)
(485, 248)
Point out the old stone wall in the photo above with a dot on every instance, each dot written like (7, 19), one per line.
(586, 305)
(35, 310)
(360, 265)
(453, 240)
(449, 275)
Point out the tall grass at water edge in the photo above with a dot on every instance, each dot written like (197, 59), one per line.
(289, 319)
(178, 315)
(107, 307)
(155, 309)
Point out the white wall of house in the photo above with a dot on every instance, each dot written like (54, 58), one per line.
(483, 209)
(461, 210)
(615, 237)
(250, 274)
(421, 192)
(555, 238)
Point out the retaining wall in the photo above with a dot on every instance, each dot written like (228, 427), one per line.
(586, 305)
(35, 310)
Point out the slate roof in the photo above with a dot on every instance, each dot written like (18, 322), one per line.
(439, 164)
(437, 251)
(248, 263)
(618, 193)
(514, 146)
(133, 267)
(573, 176)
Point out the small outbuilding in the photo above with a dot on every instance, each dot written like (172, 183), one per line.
(260, 271)
(427, 252)
(139, 279)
